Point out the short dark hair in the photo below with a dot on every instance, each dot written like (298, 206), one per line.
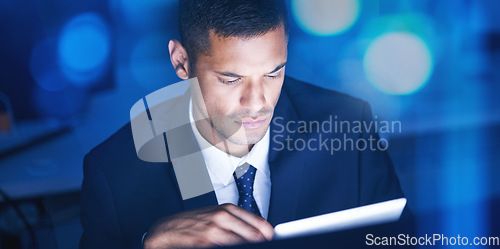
(240, 18)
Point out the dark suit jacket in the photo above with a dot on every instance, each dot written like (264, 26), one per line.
(122, 196)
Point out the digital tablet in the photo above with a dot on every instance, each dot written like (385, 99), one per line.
(373, 214)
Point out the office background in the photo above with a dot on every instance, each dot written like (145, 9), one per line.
(70, 71)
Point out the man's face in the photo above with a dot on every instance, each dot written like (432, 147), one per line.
(240, 82)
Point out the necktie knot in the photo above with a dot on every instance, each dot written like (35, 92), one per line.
(245, 190)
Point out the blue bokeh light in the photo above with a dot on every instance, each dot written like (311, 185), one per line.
(84, 48)
(326, 17)
(398, 63)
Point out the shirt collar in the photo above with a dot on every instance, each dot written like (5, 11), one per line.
(222, 165)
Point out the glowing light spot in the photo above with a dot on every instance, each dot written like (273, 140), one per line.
(84, 47)
(398, 63)
(325, 17)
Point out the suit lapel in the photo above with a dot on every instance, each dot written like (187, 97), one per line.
(205, 200)
(286, 166)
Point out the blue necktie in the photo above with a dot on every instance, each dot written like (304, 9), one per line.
(245, 189)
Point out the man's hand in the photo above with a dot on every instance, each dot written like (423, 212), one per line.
(221, 225)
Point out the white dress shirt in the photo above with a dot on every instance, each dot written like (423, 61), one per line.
(221, 166)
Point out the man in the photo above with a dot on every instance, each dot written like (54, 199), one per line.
(248, 113)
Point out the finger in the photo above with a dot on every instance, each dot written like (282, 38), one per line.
(223, 237)
(180, 239)
(230, 222)
(256, 221)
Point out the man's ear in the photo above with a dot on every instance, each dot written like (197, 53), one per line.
(179, 59)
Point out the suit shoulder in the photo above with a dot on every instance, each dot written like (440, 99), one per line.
(313, 100)
(118, 147)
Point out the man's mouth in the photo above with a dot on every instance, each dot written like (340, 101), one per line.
(253, 123)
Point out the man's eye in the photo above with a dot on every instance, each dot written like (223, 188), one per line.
(274, 76)
(230, 82)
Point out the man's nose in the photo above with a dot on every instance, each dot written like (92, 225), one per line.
(253, 96)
